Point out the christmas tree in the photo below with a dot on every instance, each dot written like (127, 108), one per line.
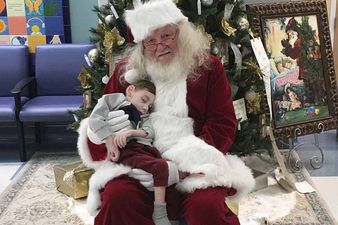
(225, 24)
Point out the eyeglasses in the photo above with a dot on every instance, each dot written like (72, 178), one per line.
(166, 39)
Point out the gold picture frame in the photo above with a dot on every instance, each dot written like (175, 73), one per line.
(296, 38)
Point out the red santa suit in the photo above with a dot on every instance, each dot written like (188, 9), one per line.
(194, 125)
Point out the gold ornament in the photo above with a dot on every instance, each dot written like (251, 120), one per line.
(208, 36)
(84, 78)
(227, 29)
(253, 102)
(112, 38)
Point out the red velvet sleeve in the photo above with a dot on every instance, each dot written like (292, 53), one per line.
(114, 85)
(219, 128)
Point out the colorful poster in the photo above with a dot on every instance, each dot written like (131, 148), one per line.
(18, 39)
(34, 7)
(31, 22)
(3, 11)
(15, 8)
(4, 39)
(53, 7)
(17, 25)
(35, 26)
(3, 26)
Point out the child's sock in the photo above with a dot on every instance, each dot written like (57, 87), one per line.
(160, 216)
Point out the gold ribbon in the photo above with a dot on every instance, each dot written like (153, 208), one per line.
(226, 28)
(77, 180)
(84, 78)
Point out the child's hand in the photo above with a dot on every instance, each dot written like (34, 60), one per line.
(183, 175)
(112, 150)
(120, 138)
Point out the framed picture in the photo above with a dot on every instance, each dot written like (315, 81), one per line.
(296, 38)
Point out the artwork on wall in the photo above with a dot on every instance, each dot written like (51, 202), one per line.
(303, 87)
(32, 22)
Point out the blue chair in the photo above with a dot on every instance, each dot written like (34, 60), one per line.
(14, 66)
(56, 87)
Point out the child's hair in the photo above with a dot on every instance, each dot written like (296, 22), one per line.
(145, 84)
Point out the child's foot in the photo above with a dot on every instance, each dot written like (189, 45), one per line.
(160, 216)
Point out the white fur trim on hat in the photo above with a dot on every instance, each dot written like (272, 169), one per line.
(151, 15)
(132, 76)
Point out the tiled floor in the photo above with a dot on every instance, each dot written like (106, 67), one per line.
(7, 173)
(56, 137)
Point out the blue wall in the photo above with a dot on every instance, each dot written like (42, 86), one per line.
(82, 18)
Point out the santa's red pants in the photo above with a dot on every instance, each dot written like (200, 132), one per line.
(126, 202)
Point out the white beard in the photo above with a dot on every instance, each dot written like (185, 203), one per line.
(159, 72)
(170, 117)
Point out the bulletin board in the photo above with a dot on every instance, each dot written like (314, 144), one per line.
(32, 22)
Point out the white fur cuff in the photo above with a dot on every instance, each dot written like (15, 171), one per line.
(193, 155)
(92, 137)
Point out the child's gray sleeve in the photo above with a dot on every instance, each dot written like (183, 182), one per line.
(147, 127)
(98, 120)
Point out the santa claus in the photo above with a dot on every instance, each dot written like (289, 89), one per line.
(194, 123)
(292, 45)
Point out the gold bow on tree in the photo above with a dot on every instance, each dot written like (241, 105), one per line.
(112, 38)
(227, 29)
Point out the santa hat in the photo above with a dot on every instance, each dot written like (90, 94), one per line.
(147, 17)
(292, 25)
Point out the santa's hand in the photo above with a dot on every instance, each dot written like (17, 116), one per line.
(146, 179)
(118, 120)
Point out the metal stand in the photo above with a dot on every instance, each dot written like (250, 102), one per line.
(295, 163)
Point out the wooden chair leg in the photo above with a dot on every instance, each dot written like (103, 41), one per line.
(22, 144)
(37, 131)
